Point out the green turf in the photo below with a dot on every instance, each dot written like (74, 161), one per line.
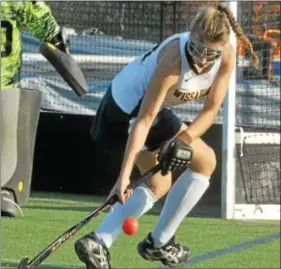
(46, 216)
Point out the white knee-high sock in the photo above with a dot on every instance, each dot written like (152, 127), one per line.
(183, 196)
(138, 204)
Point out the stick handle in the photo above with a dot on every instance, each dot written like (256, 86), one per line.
(144, 177)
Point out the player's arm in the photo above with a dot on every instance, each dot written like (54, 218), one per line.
(214, 99)
(39, 21)
(165, 75)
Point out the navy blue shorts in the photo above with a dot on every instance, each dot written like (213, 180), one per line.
(111, 125)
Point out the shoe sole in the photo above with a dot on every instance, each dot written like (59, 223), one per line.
(84, 256)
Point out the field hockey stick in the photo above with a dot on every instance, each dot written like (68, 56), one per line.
(25, 263)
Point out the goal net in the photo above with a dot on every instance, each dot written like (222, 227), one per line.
(257, 192)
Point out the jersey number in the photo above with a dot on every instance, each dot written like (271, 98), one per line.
(8, 28)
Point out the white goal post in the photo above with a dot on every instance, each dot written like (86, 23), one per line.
(230, 209)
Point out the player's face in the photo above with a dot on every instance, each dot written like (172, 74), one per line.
(204, 52)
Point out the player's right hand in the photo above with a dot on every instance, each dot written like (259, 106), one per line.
(121, 190)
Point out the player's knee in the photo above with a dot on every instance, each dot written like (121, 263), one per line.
(204, 161)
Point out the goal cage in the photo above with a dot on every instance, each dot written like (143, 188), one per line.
(250, 158)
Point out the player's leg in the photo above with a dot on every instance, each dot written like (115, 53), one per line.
(93, 248)
(100, 240)
(157, 186)
(184, 195)
(139, 203)
(143, 197)
(146, 195)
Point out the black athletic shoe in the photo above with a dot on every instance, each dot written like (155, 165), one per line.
(90, 251)
(171, 254)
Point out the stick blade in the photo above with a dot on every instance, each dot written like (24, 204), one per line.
(24, 264)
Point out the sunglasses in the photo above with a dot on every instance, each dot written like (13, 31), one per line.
(200, 51)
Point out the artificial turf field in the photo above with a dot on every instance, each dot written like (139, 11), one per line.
(214, 242)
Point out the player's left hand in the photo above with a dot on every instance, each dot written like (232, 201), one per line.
(121, 190)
